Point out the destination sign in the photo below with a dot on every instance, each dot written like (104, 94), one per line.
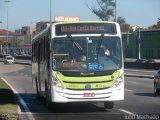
(85, 28)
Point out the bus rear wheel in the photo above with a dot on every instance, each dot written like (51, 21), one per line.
(109, 104)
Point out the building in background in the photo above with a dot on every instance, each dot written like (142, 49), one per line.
(8, 41)
(41, 26)
(19, 42)
(24, 41)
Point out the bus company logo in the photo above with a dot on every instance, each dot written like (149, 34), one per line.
(66, 18)
(87, 86)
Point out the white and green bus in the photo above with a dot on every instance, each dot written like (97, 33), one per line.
(79, 62)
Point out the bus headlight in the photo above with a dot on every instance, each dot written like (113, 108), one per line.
(56, 82)
(119, 81)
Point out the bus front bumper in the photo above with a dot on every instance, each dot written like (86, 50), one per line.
(64, 95)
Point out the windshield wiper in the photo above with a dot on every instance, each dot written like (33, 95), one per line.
(77, 44)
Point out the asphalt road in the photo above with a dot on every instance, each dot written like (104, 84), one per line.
(139, 98)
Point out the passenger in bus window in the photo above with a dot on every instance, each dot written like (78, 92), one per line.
(83, 58)
(106, 51)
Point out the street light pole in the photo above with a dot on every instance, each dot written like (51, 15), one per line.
(115, 11)
(7, 1)
(1, 44)
(139, 44)
(50, 11)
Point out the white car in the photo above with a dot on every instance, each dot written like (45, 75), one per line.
(8, 59)
(157, 82)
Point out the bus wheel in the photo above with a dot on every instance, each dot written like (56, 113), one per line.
(109, 104)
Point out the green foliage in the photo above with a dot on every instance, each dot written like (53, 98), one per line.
(105, 10)
(155, 26)
(121, 20)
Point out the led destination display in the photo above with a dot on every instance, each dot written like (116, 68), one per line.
(85, 28)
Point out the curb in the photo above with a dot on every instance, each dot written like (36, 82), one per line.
(24, 63)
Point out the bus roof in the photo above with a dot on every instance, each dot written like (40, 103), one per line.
(97, 21)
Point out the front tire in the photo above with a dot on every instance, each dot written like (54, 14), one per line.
(109, 104)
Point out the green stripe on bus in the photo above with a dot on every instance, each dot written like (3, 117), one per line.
(81, 82)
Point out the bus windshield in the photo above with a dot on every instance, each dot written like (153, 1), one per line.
(87, 54)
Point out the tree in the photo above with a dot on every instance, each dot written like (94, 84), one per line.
(105, 10)
(124, 26)
(155, 26)
(158, 21)
(121, 20)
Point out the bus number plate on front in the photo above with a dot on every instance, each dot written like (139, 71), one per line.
(88, 94)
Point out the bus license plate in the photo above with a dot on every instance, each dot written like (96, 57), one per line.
(88, 94)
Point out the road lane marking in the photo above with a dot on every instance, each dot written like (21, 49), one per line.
(128, 90)
(125, 111)
(21, 101)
